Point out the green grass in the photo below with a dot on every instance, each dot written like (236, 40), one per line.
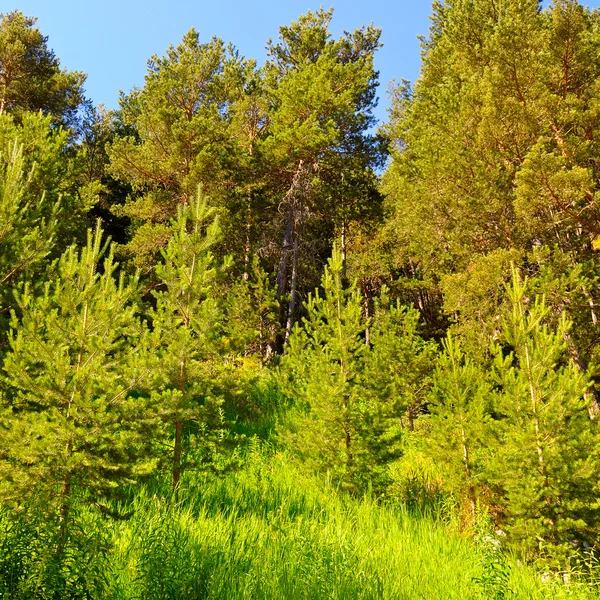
(269, 532)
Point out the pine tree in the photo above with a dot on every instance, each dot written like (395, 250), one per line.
(460, 424)
(30, 75)
(181, 137)
(187, 323)
(27, 225)
(547, 454)
(397, 379)
(41, 211)
(73, 421)
(493, 149)
(399, 363)
(321, 93)
(323, 368)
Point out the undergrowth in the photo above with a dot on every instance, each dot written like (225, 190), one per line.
(266, 532)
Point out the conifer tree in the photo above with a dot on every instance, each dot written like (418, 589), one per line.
(251, 314)
(547, 454)
(321, 93)
(397, 379)
(31, 79)
(40, 211)
(460, 425)
(187, 323)
(73, 421)
(180, 137)
(27, 227)
(323, 366)
(493, 147)
(400, 362)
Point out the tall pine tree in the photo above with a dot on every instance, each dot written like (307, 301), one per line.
(73, 421)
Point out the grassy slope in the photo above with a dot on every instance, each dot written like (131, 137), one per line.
(267, 532)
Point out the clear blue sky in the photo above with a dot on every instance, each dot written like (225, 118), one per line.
(111, 40)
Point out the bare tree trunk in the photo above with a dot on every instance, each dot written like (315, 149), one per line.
(177, 454)
(293, 291)
(283, 260)
(247, 246)
(292, 200)
(295, 201)
(367, 310)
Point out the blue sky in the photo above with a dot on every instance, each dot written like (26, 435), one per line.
(112, 40)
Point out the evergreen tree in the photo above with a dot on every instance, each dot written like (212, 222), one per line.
(460, 425)
(30, 75)
(251, 323)
(547, 454)
(397, 380)
(323, 368)
(400, 363)
(493, 149)
(187, 324)
(40, 209)
(322, 93)
(27, 227)
(182, 137)
(72, 420)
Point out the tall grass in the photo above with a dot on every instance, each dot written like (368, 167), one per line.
(270, 533)
(266, 532)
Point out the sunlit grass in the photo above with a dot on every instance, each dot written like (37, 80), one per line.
(268, 532)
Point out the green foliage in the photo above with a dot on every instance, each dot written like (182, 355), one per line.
(30, 74)
(352, 397)
(187, 324)
(322, 91)
(181, 136)
(252, 314)
(458, 427)
(546, 458)
(399, 363)
(40, 212)
(29, 568)
(495, 576)
(71, 420)
(493, 146)
(28, 227)
(323, 365)
(494, 164)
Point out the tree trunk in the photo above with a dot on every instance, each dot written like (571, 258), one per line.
(367, 310)
(292, 201)
(347, 435)
(293, 291)
(247, 245)
(177, 454)
(348, 444)
(295, 202)
(536, 420)
(283, 260)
